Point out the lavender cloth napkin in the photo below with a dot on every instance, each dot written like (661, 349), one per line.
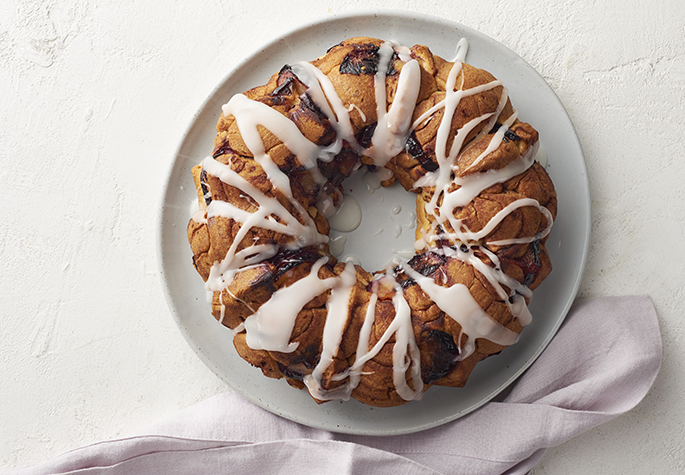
(600, 365)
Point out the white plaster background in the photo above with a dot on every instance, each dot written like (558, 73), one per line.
(94, 96)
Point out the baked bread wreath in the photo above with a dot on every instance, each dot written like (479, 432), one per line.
(448, 133)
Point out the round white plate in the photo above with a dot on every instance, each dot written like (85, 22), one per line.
(567, 245)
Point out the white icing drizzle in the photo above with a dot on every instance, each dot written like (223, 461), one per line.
(373, 180)
(249, 114)
(363, 353)
(525, 240)
(361, 113)
(200, 216)
(336, 319)
(541, 156)
(348, 217)
(351, 258)
(457, 302)
(336, 244)
(322, 92)
(469, 187)
(497, 279)
(519, 308)
(270, 326)
(406, 355)
(496, 140)
(222, 313)
(393, 126)
(491, 123)
(233, 296)
(222, 272)
(325, 204)
(462, 50)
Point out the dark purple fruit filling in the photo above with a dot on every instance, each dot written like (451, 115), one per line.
(427, 263)
(285, 88)
(334, 46)
(287, 260)
(364, 60)
(509, 135)
(414, 148)
(205, 188)
(406, 283)
(223, 149)
(290, 373)
(299, 362)
(530, 264)
(364, 137)
(309, 107)
(439, 354)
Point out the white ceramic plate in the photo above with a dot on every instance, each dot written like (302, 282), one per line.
(567, 244)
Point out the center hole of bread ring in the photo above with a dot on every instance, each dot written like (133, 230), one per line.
(374, 224)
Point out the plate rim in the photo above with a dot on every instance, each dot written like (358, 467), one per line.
(381, 14)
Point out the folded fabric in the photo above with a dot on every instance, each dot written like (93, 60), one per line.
(601, 364)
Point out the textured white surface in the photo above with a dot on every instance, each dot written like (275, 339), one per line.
(94, 98)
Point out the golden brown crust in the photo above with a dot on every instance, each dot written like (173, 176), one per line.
(438, 336)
